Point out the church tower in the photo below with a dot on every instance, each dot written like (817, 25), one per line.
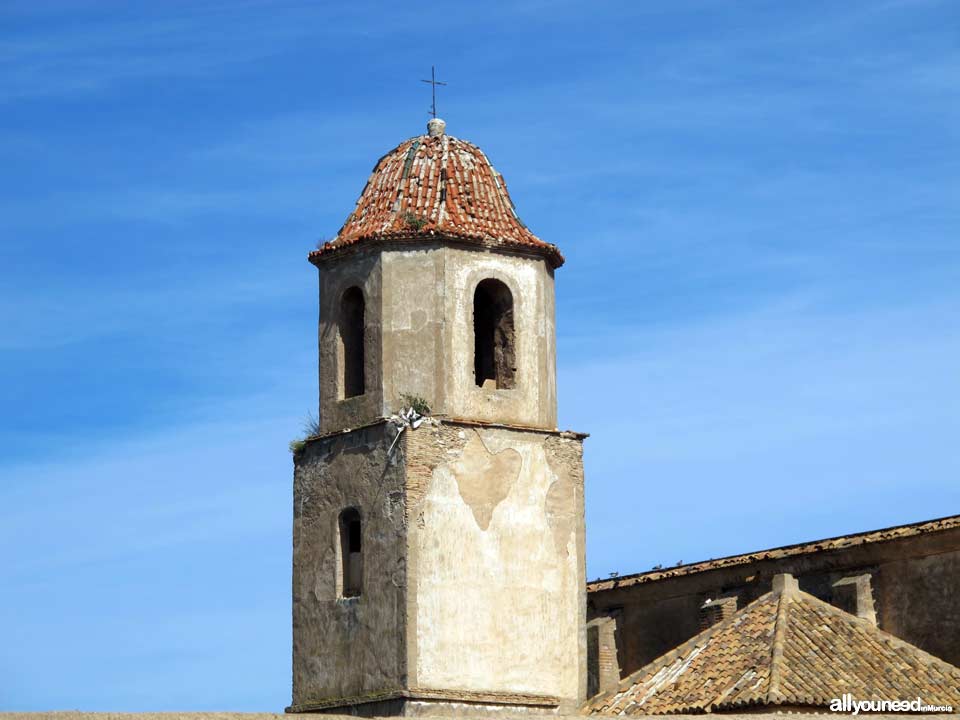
(438, 565)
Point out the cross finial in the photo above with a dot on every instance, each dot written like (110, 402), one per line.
(433, 89)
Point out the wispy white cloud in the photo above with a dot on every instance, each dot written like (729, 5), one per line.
(175, 40)
(172, 489)
(53, 318)
(179, 534)
(786, 408)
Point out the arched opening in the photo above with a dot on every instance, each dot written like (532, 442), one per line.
(351, 553)
(351, 343)
(494, 354)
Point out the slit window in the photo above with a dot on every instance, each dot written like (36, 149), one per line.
(351, 328)
(351, 554)
(494, 355)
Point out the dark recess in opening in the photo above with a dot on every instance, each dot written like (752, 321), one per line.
(351, 552)
(494, 356)
(351, 342)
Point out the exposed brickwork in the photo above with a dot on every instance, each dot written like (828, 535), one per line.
(424, 449)
(716, 610)
(603, 668)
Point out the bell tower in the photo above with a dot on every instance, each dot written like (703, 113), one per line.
(438, 566)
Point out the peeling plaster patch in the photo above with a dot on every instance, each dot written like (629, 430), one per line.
(496, 607)
(485, 478)
(560, 503)
(560, 507)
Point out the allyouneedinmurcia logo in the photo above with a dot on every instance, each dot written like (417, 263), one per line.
(847, 703)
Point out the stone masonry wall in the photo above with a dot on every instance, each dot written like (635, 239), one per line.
(364, 272)
(348, 647)
(473, 587)
(419, 338)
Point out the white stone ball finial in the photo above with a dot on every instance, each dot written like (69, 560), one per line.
(436, 127)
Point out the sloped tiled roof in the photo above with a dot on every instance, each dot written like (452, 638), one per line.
(816, 546)
(437, 186)
(785, 648)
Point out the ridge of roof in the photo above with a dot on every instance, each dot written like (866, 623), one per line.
(829, 544)
(779, 640)
(787, 647)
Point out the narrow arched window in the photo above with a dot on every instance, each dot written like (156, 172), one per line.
(351, 324)
(494, 354)
(351, 553)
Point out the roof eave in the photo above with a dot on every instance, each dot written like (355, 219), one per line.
(335, 249)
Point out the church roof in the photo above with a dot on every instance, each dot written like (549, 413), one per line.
(437, 186)
(787, 551)
(785, 648)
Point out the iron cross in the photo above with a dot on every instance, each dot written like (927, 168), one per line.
(433, 89)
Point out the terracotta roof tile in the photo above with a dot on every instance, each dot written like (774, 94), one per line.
(437, 187)
(785, 648)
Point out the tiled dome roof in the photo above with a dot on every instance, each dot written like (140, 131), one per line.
(437, 186)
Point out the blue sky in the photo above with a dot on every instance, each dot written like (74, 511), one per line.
(758, 202)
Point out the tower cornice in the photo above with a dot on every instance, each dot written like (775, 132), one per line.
(405, 241)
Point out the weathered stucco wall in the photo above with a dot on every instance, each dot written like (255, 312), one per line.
(362, 271)
(473, 534)
(918, 599)
(914, 584)
(473, 570)
(413, 326)
(532, 401)
(497, 600)
(419, 335)
(348, 647)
